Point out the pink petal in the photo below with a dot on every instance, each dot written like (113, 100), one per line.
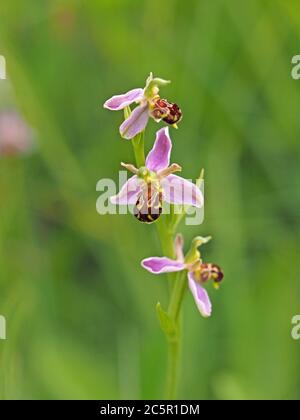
(158, 265)
(129, 192)
(201, 297)
(159, 156)
(118, 102)
(136, 123)
(178, 190)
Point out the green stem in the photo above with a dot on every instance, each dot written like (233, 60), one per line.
(172, 368)
(177, 296)
(166, 231)
(138, 143)
(177, 287)
(174, 343)
(166, 237)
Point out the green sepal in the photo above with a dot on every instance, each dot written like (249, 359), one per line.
(153, 84)
(194, 254)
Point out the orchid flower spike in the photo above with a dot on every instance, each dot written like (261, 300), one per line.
(149, 103)
(198, 273)
(156, 182)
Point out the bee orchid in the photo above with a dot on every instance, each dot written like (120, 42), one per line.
(198, 273)
(150, 105)
(156, 182)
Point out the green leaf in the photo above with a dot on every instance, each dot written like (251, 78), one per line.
(167, 324)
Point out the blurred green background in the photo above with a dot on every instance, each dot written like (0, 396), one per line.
(80, 311)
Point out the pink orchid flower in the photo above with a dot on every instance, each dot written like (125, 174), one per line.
(198, 273)
(158, 173)
(149, 105)
(15, 135)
